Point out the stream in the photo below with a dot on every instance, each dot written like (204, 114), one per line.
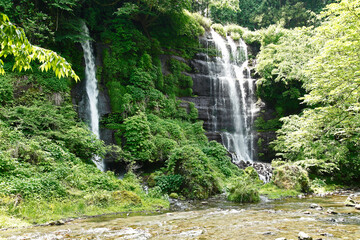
(215, 219)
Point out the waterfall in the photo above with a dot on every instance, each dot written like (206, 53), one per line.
(91, 91)
(234, 108)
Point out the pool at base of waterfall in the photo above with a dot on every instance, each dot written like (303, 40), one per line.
(216, 219)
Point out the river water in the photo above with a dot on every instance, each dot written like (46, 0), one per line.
(215, 219)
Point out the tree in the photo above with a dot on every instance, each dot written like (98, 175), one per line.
(14, 42)
(330, 129)
(146, 12)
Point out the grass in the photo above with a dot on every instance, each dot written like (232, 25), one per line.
(38, 211)
(274, 192)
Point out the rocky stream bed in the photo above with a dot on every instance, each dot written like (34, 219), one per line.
(317, 217)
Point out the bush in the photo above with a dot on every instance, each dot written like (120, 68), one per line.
(6, 90)
(252, 174)
(234, 30)
(127, 198)
(219, 29)
(244, 190)
(203, 21)
(290, 176)
(193, 165)
(155, 192)
(169, 183)
(138, 138)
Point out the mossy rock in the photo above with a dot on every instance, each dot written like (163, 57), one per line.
(290, 176)
(174, 195)
(127, 198)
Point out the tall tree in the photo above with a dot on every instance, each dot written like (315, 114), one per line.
(330, 129)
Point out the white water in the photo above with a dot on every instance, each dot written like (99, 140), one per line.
(92, 91)
(234, 89)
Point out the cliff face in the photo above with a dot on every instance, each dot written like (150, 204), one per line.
(205, 101)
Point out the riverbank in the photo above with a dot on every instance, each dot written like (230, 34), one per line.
(58, 212)
(265, 220)
(52, 211)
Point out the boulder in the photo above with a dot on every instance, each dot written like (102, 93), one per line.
(350, 202)
(314, 205)
(304, 236)
(331, 211)
(357, 206)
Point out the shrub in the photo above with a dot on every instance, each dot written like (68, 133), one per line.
(243, 190)
(193, 165)
(290, 176)
(6, 90)
(127, 198)
(169, 183)
(234, 29)
(219, 29)
(203, 21)
(155, 192)
(98, 198)
(252, 173)
(138, 138)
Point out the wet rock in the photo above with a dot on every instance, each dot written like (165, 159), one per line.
(350, 202)
(307, 212)
(331, 211)
(59, 222)
(326, 234)
(304, 236)
(314, 205)
(264, 170)
(268, 233)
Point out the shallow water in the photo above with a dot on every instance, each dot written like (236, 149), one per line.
(215, 219)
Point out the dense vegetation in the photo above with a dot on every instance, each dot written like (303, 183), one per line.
(308, 75)
(46, 151)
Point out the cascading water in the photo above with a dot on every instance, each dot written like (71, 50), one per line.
(234, 107)
(91, 91)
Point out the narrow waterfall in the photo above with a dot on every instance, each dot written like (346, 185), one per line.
(232, 113)
(91, 91)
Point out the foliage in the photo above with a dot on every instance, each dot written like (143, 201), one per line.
(274, 192)
(169, 183)
(15, 43)
(256, 14)
(178, 83)
(136, 131)
(193, 165)
(203, 21)
(326, 132)
(224, 11)
(290, 176)
(244, 189)
(219, 29)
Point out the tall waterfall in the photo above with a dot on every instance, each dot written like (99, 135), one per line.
(91, 91)
(232, 113)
